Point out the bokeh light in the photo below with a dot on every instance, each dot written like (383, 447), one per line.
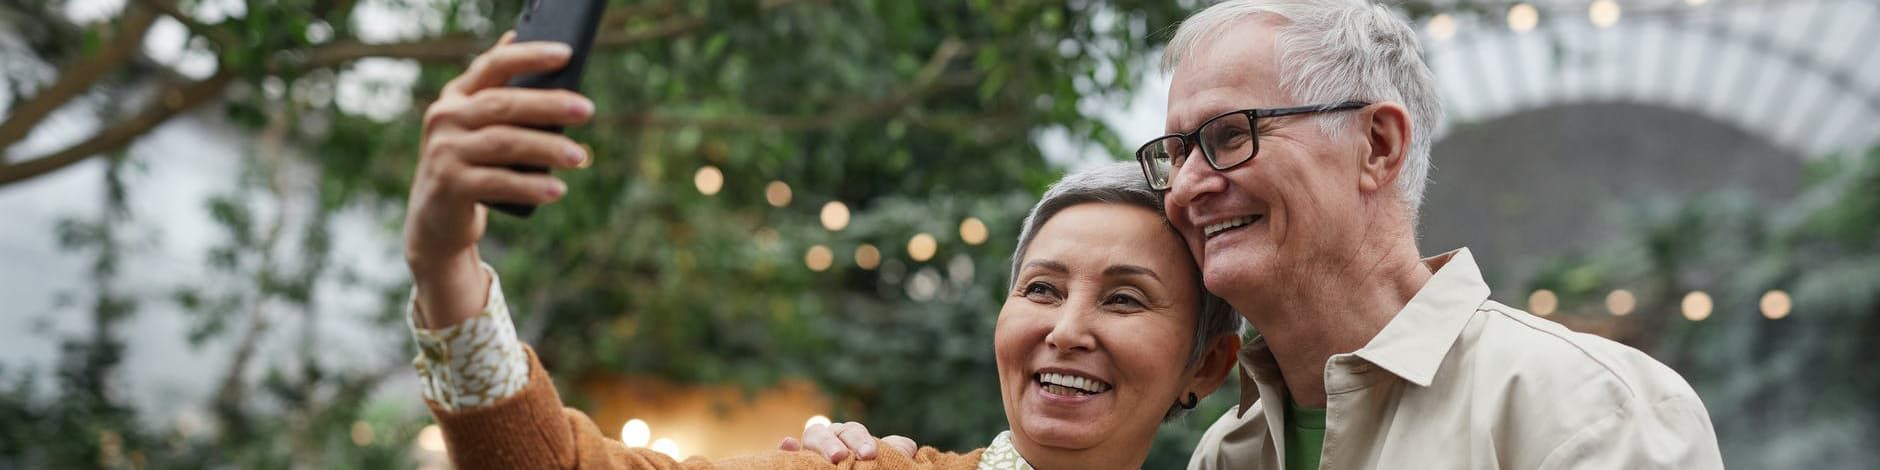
(867, 256)
(835, 215)
(922, 247)
(973, 231)
(636, 433)
(709, 180)
(777, 193)
(1522, 17)
(819, 258)
(1543, 302)
(1696, 306)
(1776, 304)
(1621, 302)
(1604, 13)
(1442, 26)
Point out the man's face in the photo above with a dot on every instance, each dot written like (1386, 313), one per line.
(1295, 202)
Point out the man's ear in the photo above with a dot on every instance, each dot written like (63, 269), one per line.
(1387, 145)
(1215, 364)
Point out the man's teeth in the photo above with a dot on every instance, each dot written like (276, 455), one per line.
(1230, 223)
(1080, 384)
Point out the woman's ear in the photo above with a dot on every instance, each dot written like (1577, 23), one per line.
(1387, 137)
(1216, 362)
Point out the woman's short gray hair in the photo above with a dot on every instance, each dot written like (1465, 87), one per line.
(1332, 51)
(1123, 183)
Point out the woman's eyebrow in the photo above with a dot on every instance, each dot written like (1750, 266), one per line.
(1130, 270)
(1050, 265)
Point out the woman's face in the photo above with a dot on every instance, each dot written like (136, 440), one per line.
(1093, 337)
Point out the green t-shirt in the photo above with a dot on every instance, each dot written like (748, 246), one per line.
(1305, 436)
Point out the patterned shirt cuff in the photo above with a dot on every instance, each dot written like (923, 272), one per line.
(470, 364)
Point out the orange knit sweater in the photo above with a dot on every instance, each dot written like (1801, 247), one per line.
(533, 430)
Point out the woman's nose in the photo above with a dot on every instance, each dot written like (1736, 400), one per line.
(1071, 332)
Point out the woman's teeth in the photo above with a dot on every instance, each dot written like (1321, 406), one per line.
(1210, 230)
(1064, 384)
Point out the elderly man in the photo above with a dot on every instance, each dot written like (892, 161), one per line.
(1297, 156)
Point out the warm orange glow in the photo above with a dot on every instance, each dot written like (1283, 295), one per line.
(819, 258)
(709, 180)
(922, 247)
(1604, 13)
(1621, 302)
(1522, 17)
(1543, 302)
(835, 215)
(973, 231)
(1776, 304)
(431, 439)
(1696, 306)
(867, 256)
(777, 193)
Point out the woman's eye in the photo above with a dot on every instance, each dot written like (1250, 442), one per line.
(1040, 291)
(1123, 300)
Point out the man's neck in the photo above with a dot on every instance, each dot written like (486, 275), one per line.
(1310, 318)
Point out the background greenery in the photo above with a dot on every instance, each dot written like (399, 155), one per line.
(916, 115)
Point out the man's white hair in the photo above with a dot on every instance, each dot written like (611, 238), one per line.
(1331, 51)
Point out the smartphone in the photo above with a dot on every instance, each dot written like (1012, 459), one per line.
(571, 22)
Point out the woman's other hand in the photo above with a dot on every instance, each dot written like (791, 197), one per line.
(473, 133)
(838, 441)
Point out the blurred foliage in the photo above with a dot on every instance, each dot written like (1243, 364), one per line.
(1790, 392)
(915, 115)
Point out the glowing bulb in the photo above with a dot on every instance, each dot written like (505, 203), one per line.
(867, 256)
(1621, 302)
(815, 420)
(431, 439)
(1696, 306)
(1776, 304)
(1543, 302)
(666, 445)
(1696, 2)
(1522, 17)
(973, 231)
(835, 215)
(362, 433)
(1604, 13)
(709, 180)
(819, 258)
(1442, 26)
(922, 247)
(777, 193)
(635, 433)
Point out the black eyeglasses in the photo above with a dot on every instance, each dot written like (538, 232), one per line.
(1226, 141)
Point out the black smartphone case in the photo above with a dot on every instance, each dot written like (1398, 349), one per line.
(571, 22)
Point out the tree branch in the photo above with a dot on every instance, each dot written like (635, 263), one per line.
(171, 101)
(77, 76)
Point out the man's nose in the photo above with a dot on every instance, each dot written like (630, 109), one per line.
(1194, 179)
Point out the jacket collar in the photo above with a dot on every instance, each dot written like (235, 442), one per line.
(1415, 342)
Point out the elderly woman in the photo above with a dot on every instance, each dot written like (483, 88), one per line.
(1106, 331)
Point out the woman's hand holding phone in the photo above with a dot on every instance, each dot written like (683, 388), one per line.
(473, 135)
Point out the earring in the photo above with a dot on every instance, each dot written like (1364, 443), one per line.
(1190, 404)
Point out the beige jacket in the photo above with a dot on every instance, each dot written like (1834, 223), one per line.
(1459, 381)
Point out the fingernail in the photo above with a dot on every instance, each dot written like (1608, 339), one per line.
(557, 49)
(557, 188)
(575, 155)
(581, 108)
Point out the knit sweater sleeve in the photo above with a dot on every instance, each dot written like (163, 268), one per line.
(531, 429)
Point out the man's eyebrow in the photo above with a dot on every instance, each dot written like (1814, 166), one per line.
(1046, 264)
(1130, 270)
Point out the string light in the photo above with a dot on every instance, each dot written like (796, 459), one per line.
(635, 433)
(815, 420)
(666, 445)
(867, 257)
(835, 215)
(1442, 26)
(362, 433)
(1776, 304)
(1604, 13)
(1543, 302)
(1522, 17)
(1696, 306)
(709, 180)
(922, 247)
(777, 193)
(431, 439)
(973, 231)
(1621, 302)
(819, 258)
